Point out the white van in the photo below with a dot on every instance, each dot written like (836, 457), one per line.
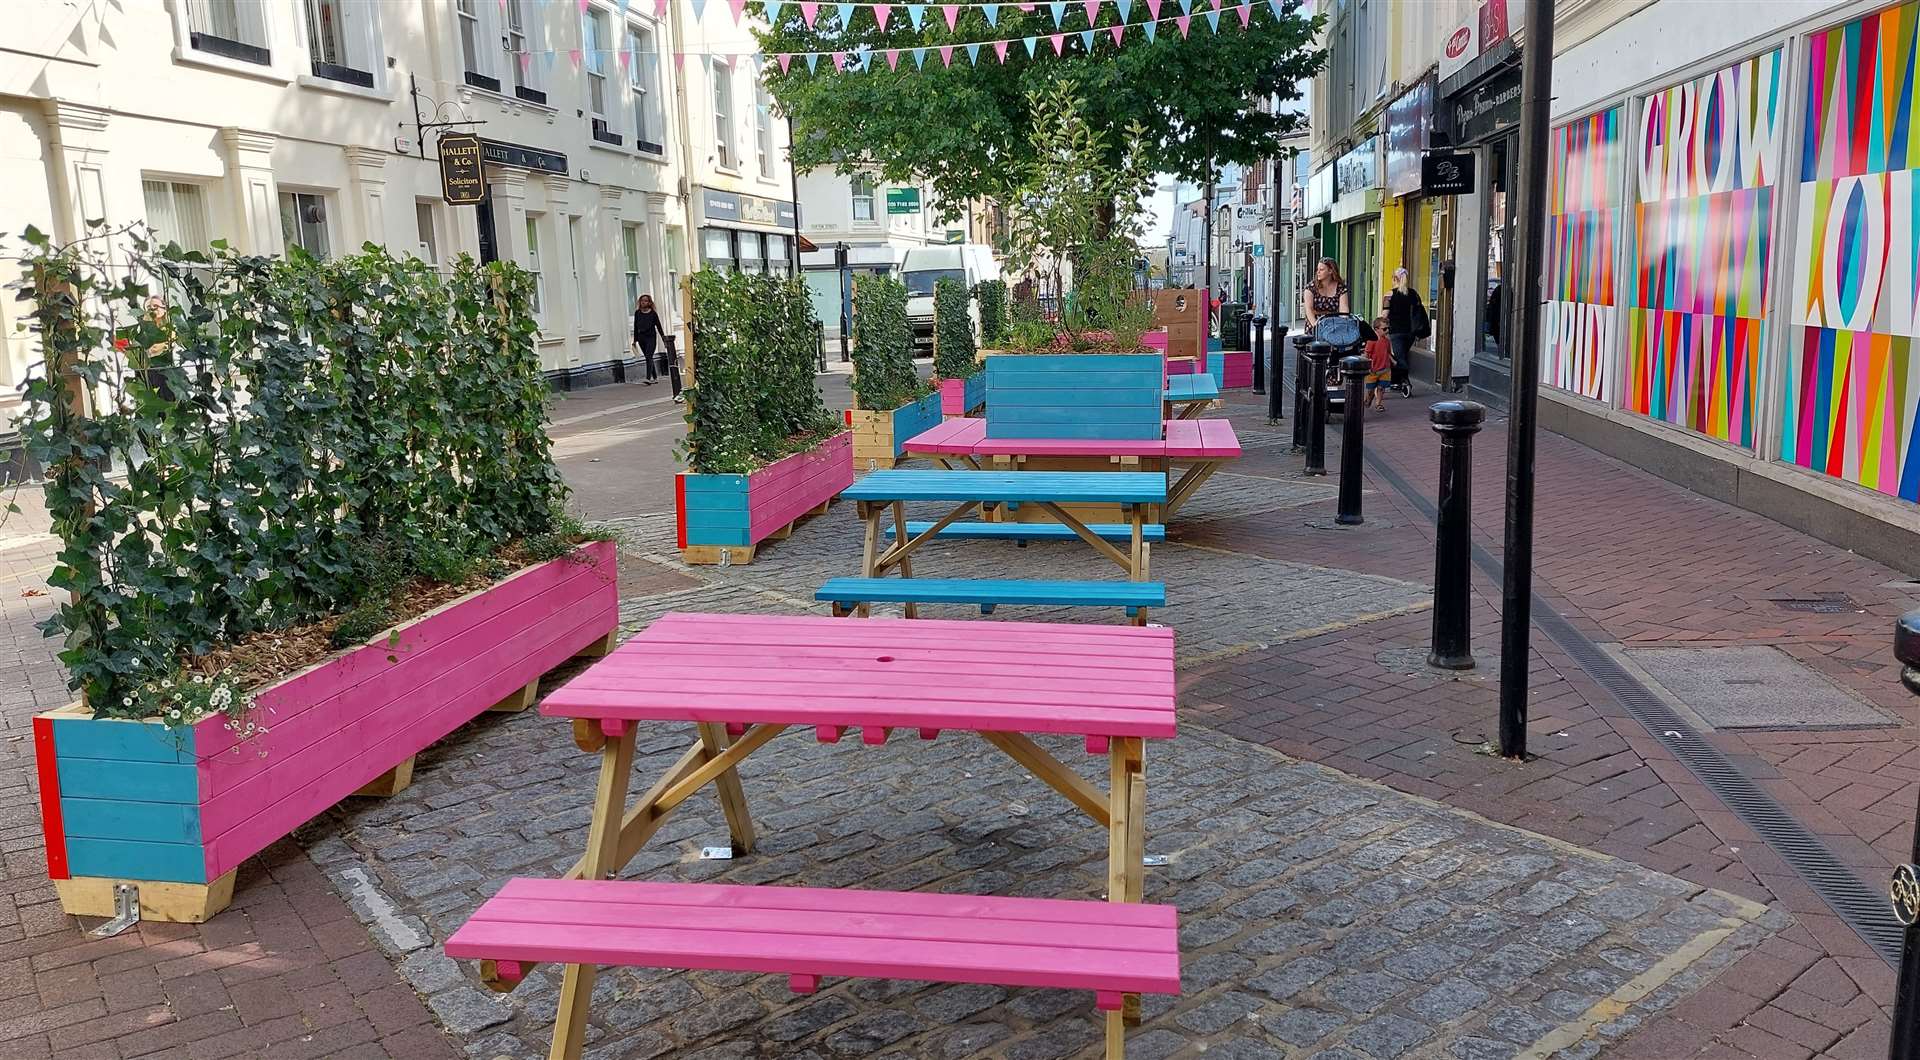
(970, 263)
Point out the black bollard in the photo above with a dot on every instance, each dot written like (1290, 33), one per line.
(1905, 892)
(1353, 445)
(1318, 354)
(1302, 367)
(1456, 422)
(1259, 355)
(1277, 393)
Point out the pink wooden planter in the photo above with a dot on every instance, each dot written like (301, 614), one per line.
(733, 514)
(134, 801)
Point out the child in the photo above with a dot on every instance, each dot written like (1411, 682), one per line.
(1380, 370)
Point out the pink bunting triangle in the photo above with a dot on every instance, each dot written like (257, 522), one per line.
(573, 54)
(893, 58)
(1027, 7)
(1183, 21)
(952, 13)
(1059, 42)
(839, 60)
(946, 54)
(881, 13)
(738, 6)
(1245, 11)
(679, 60)
(583, 6)
(659, 8)
(1118, 32)
(1093, 11)
(1000, 49)
(1153, 9)
(808, 12)
(785, 60)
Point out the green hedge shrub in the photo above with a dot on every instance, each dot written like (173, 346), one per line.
(883, 374)
(992, 296)
(261, 434)
(754, 398)
(953, 346)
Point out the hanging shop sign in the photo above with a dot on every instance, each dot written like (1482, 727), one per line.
(504, 154)
(461, 181)
(1408, 120)
(1487, 109)
(1447, 173)
(732, 207)
(1485, 26)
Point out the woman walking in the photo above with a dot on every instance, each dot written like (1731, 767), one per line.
(1407, 321)
(1327, 295)
(646, 329)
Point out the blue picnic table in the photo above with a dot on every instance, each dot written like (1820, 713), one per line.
(1192, 393)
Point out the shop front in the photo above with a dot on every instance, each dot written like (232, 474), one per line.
(1482, 117)
(1413, 222)
(1356, 210)
(745, 233)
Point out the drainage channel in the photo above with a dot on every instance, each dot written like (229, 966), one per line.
(1864, 908)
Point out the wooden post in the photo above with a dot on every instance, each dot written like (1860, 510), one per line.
(602, 859)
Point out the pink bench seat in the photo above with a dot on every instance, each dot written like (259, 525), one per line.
(1201, 440)
(1197, 439)
(1111, 948)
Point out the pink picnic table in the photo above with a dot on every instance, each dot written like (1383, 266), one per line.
(741, 680)
(1197, 448)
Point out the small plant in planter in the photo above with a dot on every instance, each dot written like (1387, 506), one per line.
(762, 449)
(892, 403)
(955, 357)
(991, 295)
(240, 451)
(1076, 215)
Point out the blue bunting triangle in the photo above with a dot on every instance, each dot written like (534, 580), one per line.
(1126, 8)
(1059, 10)
(1151, 27)
(1086, 40)
(916, 12)
(973, 53)
(846, 16)
(1275, 4)
(1031, 43)
(699, 8)
(774, 6)
(920, 58)
(813, 62)
(1213, 21)
(1186, 7)
(992, 11)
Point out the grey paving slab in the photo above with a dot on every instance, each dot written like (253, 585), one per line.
(1754, 686)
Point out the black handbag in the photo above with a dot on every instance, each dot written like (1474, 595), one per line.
(1422, 323)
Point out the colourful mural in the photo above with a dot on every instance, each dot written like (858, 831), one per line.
(1852, 393)
(1583, 193)
(1708, 156)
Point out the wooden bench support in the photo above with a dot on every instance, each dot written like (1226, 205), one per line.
(392, 782)
(600, 647)
(1189, 482)
(519, 700)
(172, 903)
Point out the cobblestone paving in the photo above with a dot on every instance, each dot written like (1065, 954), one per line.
(1321, 915)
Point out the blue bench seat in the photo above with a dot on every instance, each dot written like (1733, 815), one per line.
(1011, 487)
(846, 593)
(1031, 531)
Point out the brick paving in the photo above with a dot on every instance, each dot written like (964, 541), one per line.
(320, 954)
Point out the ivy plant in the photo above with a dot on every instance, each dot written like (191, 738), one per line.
(226, 436)
(953, 346)
(754, 398)
(992, 298)
(883, 374)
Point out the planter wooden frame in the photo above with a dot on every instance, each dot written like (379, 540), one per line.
(963, 397)
(175, 811)
(879, 438)
(1075, 395)
(725, 518)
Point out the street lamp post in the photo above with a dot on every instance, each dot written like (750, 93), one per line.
(846, 297)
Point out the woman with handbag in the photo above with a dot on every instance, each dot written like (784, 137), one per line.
(1407, 322)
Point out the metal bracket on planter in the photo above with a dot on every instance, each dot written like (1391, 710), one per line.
(1156, 860)
(126, 912)
(716, 853)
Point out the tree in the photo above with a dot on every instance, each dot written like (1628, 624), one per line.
(964, 128)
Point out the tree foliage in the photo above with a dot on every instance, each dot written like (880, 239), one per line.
(963, 128)
(953, 346)
(883, 375)
(754, 398)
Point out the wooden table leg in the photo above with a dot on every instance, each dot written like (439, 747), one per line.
(603, 852)
(909, 609)
(733, 797)
(1126, 844)
(869, 513)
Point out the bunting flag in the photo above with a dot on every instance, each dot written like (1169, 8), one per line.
(916, 13)
(737, 6)
(813, 58)
(1031, 43)
(1125, 7)
(583, 6)
(619, 59)
(840, 60)
(1000, 49)
(846, 15)
(992, 11)
(881, 13)
(1058, 9)
(773, 11)
(546, 62)
(1213, 21)
(946, 54)
(808, 12)
(1186, 7)
(1153, 10)
(1059, 42)
(1118, 32)
(624, 4)
(699, 9)
(785, 60)
(1086, 40)
(973, 54)
(893, 58)
(503, 6)
(1093, 11)
(920, 58)
(952, 13)
(659, 8)
(574, 55)
(1029, 8)
(679, 60)
(1245, 11)
(526, 61)
(1151, 29)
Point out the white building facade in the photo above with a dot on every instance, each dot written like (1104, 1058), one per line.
(878, 221)
(278, 123)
